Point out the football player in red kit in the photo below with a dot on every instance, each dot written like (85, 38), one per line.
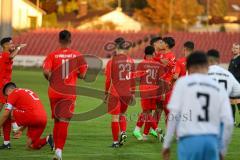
(157, 43)
(149, 86)
(168, 61)
(28, 112)
(62, 68)
(119, 90)
(6, 62)
(180, 68)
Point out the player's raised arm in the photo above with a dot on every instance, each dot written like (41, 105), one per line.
(16, 50)
(9, 47)
(227, 120)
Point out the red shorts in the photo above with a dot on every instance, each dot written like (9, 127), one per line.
(62, 107)
(35, 123)
(3, 98)
(117, 105)
(148, 104)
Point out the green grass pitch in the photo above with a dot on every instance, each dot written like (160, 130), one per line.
(91, 139)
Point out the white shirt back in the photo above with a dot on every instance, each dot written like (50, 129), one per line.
(202, 105)
(225, 79)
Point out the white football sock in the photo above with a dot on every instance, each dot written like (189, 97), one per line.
(15, 127)
(137, 128)
(6, 142)
(58, 153)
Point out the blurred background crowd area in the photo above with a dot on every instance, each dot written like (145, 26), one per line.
(209, 23)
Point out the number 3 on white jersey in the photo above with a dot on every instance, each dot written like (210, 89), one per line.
(65, 68)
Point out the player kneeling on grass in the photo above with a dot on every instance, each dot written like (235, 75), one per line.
(210, 107)
(148, 90)
(28, 112)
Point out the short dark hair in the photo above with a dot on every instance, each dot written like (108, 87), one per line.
(5, 40)
(169, 41)
(213, 53)
(65, 36)
(189, 45)
(149, 50)
(154, 40)
(119, 42)
(197, 58)
(8, 85)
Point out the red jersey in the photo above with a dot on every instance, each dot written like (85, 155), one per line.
(66, 65)
(159, 55)
(24, 100)
(118, 72)
(149, 82)
(6, 68)
(169, 68)
(180, 68)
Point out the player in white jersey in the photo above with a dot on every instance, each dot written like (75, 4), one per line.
(196, 116)
(221, 75)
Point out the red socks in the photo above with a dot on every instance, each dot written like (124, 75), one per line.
(157, 116)
(147, 128)
(150, 123)
(55, 133)
(123, 123)
(7, 130)
(140, 121)
(38, 144)
(115, 131)
(60, 132)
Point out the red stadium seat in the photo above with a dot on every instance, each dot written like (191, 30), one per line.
(43, 41)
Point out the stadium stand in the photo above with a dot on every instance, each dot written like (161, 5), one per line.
(42, 42)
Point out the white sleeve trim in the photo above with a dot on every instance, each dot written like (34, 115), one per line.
(8, 106)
